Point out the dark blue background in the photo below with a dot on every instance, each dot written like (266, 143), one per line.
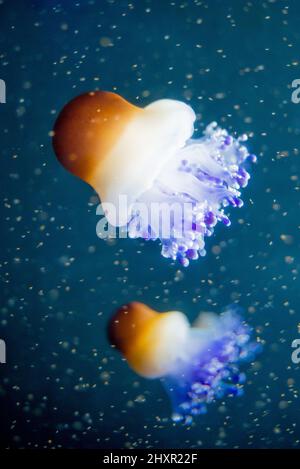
(234, 62)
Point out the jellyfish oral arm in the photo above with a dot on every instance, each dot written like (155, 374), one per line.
(210, 369)
(207, 175)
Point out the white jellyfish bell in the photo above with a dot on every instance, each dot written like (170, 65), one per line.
(152, 178)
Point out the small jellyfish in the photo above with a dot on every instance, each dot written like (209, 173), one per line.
(196, 364)
(153, 179)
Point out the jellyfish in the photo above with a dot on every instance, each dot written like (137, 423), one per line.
(197, 364)
(154, 180)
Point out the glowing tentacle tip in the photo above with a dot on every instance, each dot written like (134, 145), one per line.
(197, 364)
(153, 179)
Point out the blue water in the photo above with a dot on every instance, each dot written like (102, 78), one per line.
(233, 62)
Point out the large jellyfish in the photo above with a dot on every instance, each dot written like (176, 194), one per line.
(197, 364)
(152, 178)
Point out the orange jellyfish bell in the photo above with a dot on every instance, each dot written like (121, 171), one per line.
(147, 339)
(119, 148)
